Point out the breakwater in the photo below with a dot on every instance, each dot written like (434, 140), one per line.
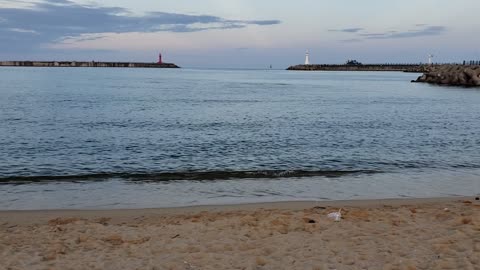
(457, 75)
(85, 64)
(418, 68)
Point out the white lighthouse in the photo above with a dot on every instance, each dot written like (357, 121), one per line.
(307, 58)
(430, 57)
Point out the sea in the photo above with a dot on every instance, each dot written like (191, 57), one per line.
(113, 138)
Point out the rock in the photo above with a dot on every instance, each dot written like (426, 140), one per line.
(456, 75)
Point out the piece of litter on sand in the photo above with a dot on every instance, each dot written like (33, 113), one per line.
(188, 265)
(336, 215)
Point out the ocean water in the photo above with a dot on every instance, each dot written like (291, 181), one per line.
(127, 138)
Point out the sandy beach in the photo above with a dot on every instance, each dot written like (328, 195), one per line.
(442, 233)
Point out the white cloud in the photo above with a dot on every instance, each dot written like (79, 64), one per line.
(21, 30)
(18, 4)
(66, 21)
(186, 41)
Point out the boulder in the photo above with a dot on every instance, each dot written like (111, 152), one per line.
(457, 75)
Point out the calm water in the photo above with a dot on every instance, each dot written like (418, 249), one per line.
(116, 138)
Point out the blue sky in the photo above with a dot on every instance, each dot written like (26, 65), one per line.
(240, 33)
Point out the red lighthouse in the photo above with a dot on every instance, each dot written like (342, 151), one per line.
(160, 59)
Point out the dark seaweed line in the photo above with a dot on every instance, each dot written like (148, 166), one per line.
(175, 176)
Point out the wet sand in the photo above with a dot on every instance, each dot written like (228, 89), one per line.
(439, 233)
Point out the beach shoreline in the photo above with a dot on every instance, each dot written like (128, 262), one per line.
(431, 233)
(42, 215)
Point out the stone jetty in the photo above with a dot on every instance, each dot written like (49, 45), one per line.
(456, 75)
(85, 64)
(417, 68)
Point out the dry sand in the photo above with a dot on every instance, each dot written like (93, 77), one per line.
(380, 234)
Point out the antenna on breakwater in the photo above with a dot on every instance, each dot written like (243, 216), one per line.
(430, 57)
(307, 58)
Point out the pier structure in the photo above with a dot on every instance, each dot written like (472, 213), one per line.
(362, 67)
(86, 64)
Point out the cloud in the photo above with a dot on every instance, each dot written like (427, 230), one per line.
(425, 31)
(54, 21)
(347, 30)
(265, 22)
(83, 37)
(369, 35)
(20, 30)
(420, 30)
(351, 40)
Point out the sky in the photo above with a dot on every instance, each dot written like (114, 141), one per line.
(240, 33)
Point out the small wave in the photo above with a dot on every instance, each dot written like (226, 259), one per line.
(176, 176)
